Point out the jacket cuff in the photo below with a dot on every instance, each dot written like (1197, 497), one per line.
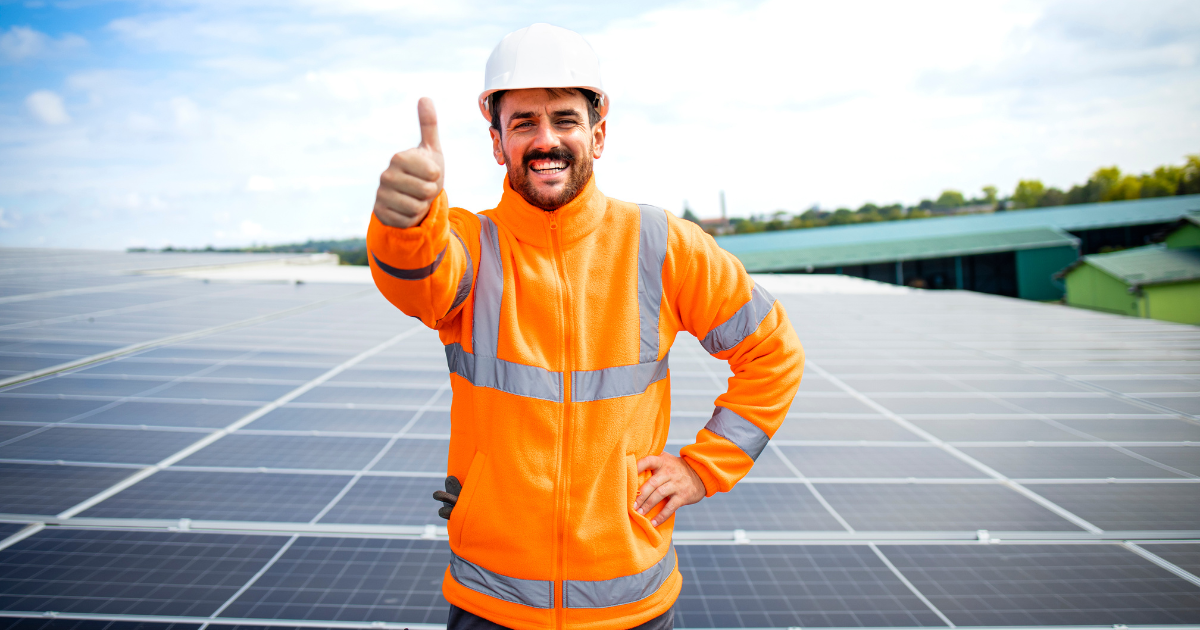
(711, 485)
(412, 247)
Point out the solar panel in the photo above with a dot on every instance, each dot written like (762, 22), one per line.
(11, 431)
(50, 489)
(99, 445)
(1033, 585)
(287, 451)
(1183, 555)
(823, 586)
(231, 496)
(1183, 458)
(1068, 462)
(354, 420)
(415, 456)
(27, 623)
(866, 461)
(1000, 430)
(1130, 506)
(195, 414)
(389, 501)
(939, 507)
(774, 506)
(1139, 430)
(223, 391)
(369, 395)
(129, 573)
(351, 579)
(876, 429)
(1027, 389)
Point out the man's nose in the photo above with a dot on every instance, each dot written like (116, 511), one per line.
(546, 137)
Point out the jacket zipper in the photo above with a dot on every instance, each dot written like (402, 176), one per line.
(564, 455)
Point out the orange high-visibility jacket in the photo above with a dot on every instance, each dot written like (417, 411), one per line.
(557, 327)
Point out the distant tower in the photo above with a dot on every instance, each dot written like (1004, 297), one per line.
(722, 205)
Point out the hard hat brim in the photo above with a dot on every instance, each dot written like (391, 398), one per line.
(487, 114)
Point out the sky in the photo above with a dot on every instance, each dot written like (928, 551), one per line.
(153, 123)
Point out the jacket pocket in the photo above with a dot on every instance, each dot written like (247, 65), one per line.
(634, 482)
(462, 510)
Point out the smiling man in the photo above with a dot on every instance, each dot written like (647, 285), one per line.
(558, 309)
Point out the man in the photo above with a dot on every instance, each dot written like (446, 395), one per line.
(557, 309)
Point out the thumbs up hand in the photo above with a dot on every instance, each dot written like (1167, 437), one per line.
(414, 178)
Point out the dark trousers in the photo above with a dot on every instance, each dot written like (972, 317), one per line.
(463, 620)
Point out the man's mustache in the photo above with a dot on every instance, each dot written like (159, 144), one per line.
(557, 153)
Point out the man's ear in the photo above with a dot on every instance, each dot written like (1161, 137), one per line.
(497, 150)
(598, 133)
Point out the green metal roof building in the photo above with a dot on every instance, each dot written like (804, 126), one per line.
(1160, 281)
(1007, 253)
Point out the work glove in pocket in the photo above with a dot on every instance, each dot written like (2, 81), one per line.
(448, 498)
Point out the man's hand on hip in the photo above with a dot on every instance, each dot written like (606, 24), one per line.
(413, 180)
(673, 481)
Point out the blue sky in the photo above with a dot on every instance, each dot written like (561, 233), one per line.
(152, 123)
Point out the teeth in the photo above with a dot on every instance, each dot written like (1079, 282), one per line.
(548, 165)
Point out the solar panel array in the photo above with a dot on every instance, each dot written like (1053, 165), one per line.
(263, 454)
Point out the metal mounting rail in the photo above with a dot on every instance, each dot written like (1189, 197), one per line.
(738, 536)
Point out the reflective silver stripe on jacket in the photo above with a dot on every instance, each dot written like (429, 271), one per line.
(618, 591)
(614, 382)
(533, 593)
(741, 324)
(515, 378)
(652, 252)
(464, 283)
(410, 274)
(743, 433)
(489, 290)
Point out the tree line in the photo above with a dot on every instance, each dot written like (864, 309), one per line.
(1105, 184)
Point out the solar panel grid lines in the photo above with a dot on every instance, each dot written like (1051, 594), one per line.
(957, 453)
(880, 493)
(212, 437)
(136, 347)
(124, 310)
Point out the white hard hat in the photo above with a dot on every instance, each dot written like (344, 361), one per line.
(542, 56)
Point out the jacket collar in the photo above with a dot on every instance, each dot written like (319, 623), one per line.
(531, 224)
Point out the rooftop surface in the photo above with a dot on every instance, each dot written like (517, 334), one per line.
(258, 453)
(1063, 218)
(1152, 264)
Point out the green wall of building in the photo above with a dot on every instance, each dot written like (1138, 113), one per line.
(1178, 302)
(1036, 269)
(1088, 287)
(1186, 236)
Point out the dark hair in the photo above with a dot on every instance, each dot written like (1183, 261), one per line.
(591, 97)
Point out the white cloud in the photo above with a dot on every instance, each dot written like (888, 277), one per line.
(187, 113)
(47, 107)
(4, 220)
(250, 229)
(20, 43)
(258, 183)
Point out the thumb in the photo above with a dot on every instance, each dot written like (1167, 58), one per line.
(429, 131)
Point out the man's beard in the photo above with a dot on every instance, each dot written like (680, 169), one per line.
(580, 173)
